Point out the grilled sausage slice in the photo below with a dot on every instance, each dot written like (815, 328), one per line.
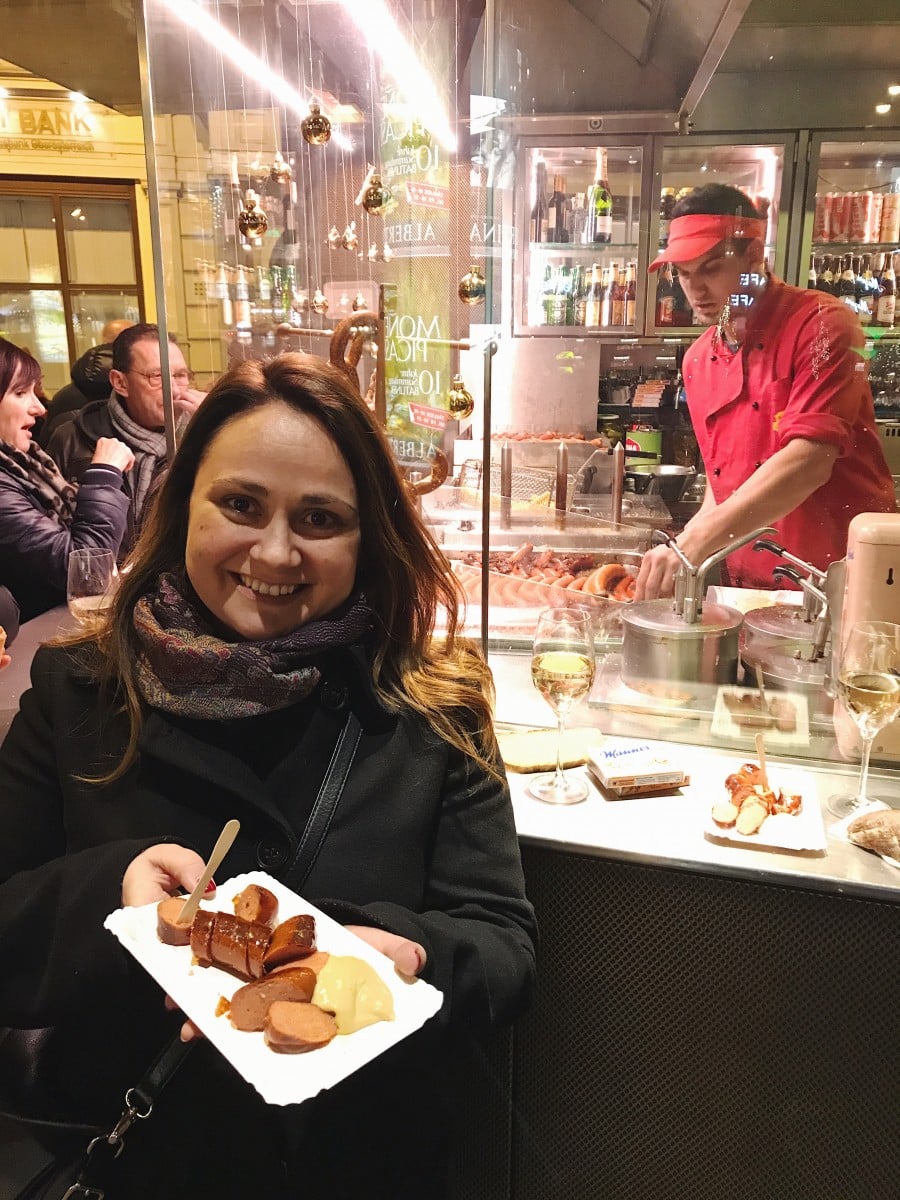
(295, 1028)
(292, 939)
(256, 903)
(201, 933)
(168, 928)
(251, 1003)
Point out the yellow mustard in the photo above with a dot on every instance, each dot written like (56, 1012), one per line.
(354, 992)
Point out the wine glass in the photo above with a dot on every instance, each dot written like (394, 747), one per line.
(92, 581)
(562, 670)
(868, 683)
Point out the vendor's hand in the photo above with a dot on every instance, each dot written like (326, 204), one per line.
(160, 872)
(408, 957)
(110, 452)
(656, 577)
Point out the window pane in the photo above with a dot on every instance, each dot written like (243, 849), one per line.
(91, 311)
(35, 321)
(28, 252)
(98, 240)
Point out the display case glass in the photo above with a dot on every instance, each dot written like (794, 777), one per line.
(755, 168)
(579, 226)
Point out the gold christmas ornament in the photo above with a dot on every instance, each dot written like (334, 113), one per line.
(300, 300)
(316, 128)
(319, 303)
(376, 197)
(350, 238)
(334, 238)
(359, 302)
(472, 286)
(281, 171)
(252, 222)
(258, 173)
(461, 401)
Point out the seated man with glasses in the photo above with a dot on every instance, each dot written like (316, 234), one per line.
(134, 414)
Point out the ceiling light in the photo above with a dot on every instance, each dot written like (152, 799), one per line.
(882, 108)
(78, 97)
(76, 212)
(4, 92)
(894, 89)
(246, 62)
(400, 61)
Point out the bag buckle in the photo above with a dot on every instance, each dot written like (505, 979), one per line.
(79, 1189)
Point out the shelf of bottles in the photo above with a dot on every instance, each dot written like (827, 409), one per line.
(855, 250)
(754, 169)
(582, 240)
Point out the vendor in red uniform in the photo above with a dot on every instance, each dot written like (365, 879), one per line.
(779, 400)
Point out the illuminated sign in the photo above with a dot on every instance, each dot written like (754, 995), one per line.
(61, 128)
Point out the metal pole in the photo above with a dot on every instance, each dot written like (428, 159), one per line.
(159, 278)
(489, 350)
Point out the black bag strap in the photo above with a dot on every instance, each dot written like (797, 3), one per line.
(139, 1101)
(326, 803)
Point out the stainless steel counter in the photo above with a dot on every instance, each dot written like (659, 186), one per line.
(669, 830)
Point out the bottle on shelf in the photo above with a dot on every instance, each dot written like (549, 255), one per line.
(593, 306)
(540, 213)
(617, 304)
(223, 293)
(607, 278)
(871, 294)
(279, 315)
(887, 299)
(812, 278)
(242, 320)
(548, 287)
(846, 288)
(558, 211)
(890, 218)
(825, 281)
(630, 293)
(598, 228)
(559, 298)
(666, 204)
(576, 299)
(665, 298)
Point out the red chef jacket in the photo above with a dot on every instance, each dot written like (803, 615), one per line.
(800, 372)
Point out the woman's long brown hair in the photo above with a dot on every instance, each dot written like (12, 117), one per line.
(401, 570)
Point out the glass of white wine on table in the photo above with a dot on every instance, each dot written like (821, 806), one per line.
(562, 670)
(92, 581)
(868, 684)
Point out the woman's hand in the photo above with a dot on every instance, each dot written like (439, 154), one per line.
(408, 957)
(5, 660)
(159, 872)
(110, 452)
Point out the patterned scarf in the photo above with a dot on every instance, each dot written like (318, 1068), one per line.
(150, 452)
(42, 478)
(187, 669)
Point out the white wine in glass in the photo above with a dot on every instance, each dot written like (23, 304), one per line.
(562, 669)
(92, 581)
(868, 684)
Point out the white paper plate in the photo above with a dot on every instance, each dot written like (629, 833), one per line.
(803, 832)
(724, 725)
(279, 1078)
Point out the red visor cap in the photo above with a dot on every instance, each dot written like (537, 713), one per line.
(698, 233)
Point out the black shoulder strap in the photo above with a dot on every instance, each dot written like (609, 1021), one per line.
(326, 802)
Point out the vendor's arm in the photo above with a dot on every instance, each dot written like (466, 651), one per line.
(779, 486)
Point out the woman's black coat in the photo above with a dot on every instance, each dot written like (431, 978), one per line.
(422, 844)
(34, 546)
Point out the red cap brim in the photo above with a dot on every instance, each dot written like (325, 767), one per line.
(698, 233)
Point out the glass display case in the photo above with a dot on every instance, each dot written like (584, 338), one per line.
(685, 163)
(580, 237)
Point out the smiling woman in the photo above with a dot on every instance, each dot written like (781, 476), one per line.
(277, 619)
(42, 516)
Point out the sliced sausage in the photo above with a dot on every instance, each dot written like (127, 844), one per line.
(256, 903)
(169, 929)
(292, 939)
(258, 936)
(313, 962)
(250, 1004)
(201, 934)
(294, 1028)
(228, 944)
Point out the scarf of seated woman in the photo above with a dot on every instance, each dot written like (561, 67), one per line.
(42, 479)
(185, 667)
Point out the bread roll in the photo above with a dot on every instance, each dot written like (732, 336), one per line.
(878, 831)
(535, 750)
